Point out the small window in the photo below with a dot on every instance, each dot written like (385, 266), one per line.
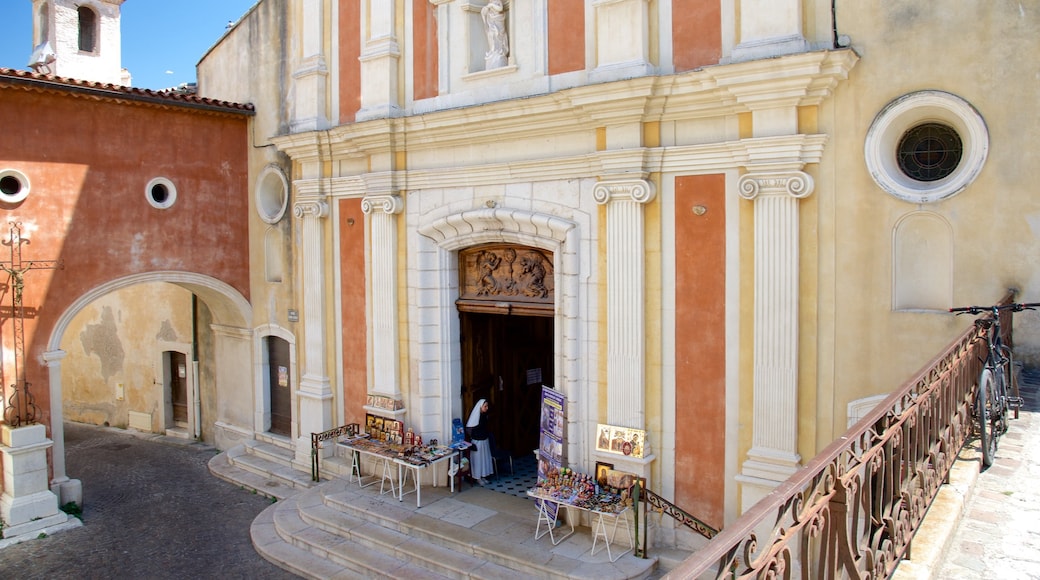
(87, 29)
(160, 193)
(14, 186)
(930, 152)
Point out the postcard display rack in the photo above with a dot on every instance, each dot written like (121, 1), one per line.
(391, 449)
(607, 505)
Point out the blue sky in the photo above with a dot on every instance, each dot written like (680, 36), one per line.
(162, 39)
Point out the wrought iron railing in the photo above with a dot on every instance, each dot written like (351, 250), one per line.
(852, 511)
(653, 502)
(348, 430)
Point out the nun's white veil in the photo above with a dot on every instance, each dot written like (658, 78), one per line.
(474, 416)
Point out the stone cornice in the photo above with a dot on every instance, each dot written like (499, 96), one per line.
(716, 91)
(764, 154)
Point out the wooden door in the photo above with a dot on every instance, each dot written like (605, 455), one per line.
(506, 359)
(279, 385)
(178, 386)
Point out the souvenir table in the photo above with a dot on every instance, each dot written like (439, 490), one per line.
(405, 460)
(579, 492)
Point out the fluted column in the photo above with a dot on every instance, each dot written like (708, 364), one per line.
(382, 211)
(626, 320)
(774, 453)
(315, 392)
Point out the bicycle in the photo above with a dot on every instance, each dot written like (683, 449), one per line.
(992, 401)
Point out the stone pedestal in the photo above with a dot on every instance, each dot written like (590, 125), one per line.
(27, 506)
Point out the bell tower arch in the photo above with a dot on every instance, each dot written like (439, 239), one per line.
(78, 39)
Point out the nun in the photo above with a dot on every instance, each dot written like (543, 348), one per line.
(480, 458)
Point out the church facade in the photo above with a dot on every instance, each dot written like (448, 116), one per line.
(715, 222)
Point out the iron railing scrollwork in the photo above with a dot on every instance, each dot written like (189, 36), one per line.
(659, 504)
(852, 511)
(348, 430)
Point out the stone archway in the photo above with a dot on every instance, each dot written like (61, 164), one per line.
(440, 376)
(231, 313)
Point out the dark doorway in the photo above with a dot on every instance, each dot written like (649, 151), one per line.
(506, 359)
(176, 364)
(278, 385)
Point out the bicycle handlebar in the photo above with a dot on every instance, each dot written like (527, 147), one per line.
(1013, 306)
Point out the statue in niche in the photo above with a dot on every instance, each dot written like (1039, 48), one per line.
(494, 15)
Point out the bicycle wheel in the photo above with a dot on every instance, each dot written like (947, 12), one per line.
(983, 414)
(1014, 398)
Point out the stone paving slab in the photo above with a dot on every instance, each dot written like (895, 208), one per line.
(151, 510)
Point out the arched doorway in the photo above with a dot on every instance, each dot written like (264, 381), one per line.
(218, 330)
(506, 335)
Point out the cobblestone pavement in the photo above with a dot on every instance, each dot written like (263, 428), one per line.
(151, 511)
(999, 535)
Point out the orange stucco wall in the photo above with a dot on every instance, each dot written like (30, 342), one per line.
(349, 65)
(696, 34)
(700, 346)
(88, 163)
(424, 37)
(566, 36)
(353, 325)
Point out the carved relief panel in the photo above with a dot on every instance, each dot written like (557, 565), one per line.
(506, 278)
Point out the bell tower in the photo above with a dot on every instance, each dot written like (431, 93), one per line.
(79, 39)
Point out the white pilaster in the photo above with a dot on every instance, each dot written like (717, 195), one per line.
(380, 60)
(382, 211)
(315, 392)
(311, 75)
(774, 452)
(626, 332)
(770, 28)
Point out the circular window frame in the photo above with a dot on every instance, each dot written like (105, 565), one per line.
(171, 193)
(909, 111)
(23, 191)
(268, 207)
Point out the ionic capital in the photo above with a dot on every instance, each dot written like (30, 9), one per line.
(637, 190)
(311, 208)
(797, 184)
(391, 204)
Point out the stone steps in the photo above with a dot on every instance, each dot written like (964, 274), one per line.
(360, 532)
(262, 467)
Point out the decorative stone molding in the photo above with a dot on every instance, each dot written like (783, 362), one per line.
(796, 184)
(311, 209)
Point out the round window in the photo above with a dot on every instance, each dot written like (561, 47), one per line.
(926, 146)
(14, 186)
(272, 194)
(160, 193)
(929, 152)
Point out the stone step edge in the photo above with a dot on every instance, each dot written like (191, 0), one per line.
(305, 563)
(221, 467)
